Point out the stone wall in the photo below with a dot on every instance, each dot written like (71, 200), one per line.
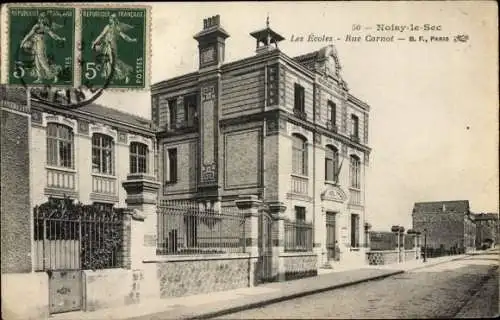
(202, 275)
(382, 257)
(410, 255)
(300, 265)
(15, 193)
(111, 288)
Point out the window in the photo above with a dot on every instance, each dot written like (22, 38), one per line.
(299, 100)
(60, 146)
(355, 172)
(172, 112)
(355, 127)
(171, 169)
(299, 155)
(331, 116)
(190, 110)
(138, 157)
(102, 154)
(354, 230)
(300, 214)
(331, 164)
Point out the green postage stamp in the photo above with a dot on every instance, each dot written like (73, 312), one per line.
(41, 45)
(113, 47)
(73, 45)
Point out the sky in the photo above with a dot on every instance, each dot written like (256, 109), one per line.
(434, 106)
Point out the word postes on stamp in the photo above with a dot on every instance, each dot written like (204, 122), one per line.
(41, 46)
(113, 47)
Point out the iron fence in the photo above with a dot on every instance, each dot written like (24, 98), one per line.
(70, 236)
(298, 236)
(186, 227)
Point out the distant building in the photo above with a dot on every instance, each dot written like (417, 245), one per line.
(449, 224)
(487, 229)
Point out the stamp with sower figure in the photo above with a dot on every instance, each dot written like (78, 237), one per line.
(41, 46)
(67, 54)
(113, 45)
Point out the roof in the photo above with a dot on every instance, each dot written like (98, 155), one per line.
(115, 114)
(461, 206)
(486, 216)
(261, 35)
(307, 60)
(19, 95)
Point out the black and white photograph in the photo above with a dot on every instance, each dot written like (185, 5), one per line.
(249, 160)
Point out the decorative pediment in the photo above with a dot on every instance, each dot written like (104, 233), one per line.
(333, 193)
(328, 62)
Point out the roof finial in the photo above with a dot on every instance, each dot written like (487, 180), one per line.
(267, 20)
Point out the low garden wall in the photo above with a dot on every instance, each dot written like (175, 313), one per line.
(299, 264)
(410, 255)
(382, 257)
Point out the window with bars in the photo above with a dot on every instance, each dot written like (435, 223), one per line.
(331, 115)
(299, 99)
(331, 164)
(190, 110)
(355, 127)
(60, 146)
(299, 155)
(354, 230)
(171, 166)
(172, 113)
(138, 157)
(355, 174)
(102, 154)
(300, 214)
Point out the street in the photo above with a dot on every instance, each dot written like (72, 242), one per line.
(463, 288)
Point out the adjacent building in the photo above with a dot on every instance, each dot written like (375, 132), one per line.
(448, 225)
(284, 128)
(487, 229)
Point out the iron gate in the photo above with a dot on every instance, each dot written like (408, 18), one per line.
(70, 238)
(265, 247)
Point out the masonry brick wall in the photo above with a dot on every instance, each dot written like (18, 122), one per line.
(442, 229)
(15, 193)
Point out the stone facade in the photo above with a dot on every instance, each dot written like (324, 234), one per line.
(244, 145)
(449, 224)
(181, 278)
(487, 229)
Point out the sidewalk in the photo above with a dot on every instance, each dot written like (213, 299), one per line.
(226, 302)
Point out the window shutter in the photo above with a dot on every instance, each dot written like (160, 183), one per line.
(306, 160)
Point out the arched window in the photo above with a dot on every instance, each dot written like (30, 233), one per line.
(138, 157)
(299, 155)
(102, 154)
(355, 172)
(331, 164)
(60, 146)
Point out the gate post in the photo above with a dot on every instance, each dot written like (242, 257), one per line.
(142, 194)
(249, 206)
(276, 210)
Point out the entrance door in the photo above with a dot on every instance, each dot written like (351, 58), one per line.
(331, 236)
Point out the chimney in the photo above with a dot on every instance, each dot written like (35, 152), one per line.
(211, 42)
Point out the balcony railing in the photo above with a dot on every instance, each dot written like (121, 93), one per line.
(331, 126)
(355, 138)
(184, 125)
(60, 179)
(299, 185)
(355, 197)
(105, 185)
(300, 114)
